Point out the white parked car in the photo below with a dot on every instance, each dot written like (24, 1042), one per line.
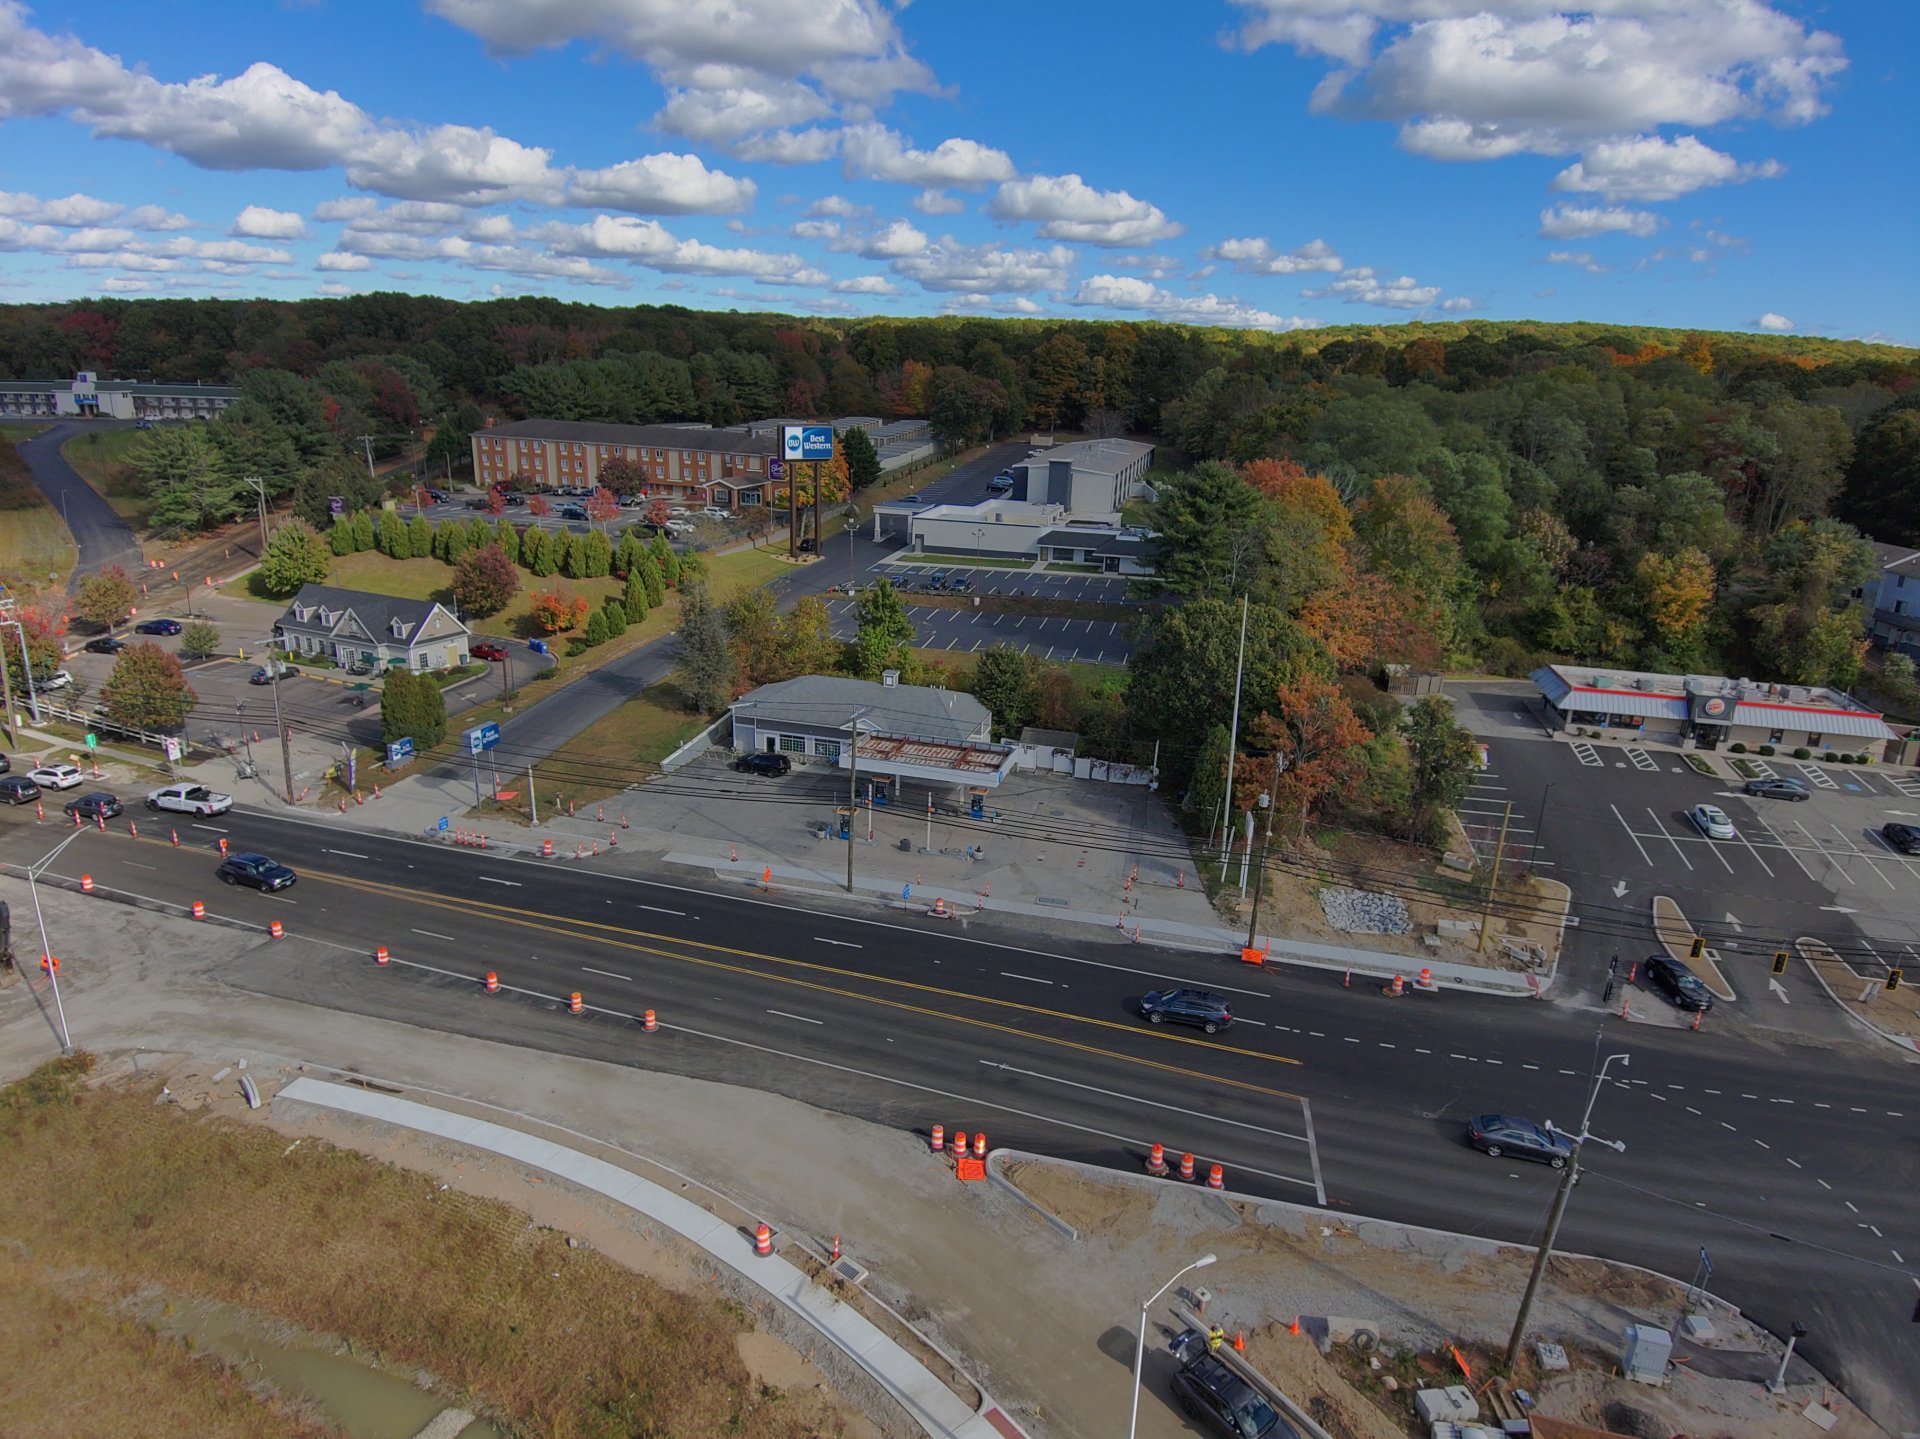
(1712, 821)
(714, 512)
(680, 512)
(58, 680)
(56, 776)
(189, 799)
(679, 527)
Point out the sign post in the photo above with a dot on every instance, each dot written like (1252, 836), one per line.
(802, 443)
(481, 737)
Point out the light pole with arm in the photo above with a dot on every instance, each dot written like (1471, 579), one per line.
(1140, 1344)
(1565, 1192)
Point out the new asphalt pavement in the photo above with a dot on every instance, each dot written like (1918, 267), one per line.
(1792, 1163)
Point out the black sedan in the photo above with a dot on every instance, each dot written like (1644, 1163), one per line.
(98, 805)
(157, 627)
(1903, 837)
(1777, 789)
(769, 764)
(1498, 1134)
(1225, 1403)
(105, 645)
(256, 871)
(1198, 1007)
(1678, 983)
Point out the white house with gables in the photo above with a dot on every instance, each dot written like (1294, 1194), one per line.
(358, 630)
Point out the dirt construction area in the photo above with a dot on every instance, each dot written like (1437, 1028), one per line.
(1047, 1322)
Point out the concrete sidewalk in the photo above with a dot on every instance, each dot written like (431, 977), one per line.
(931, 1404)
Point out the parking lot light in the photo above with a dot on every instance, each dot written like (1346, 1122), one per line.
(1140, 1345)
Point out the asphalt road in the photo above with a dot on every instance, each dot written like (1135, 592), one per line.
(102, 536)
(1793, 1164)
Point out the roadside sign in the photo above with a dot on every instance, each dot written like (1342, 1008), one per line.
(806, 442)
(776, 469)
(442, 825)
(93, 741)
(399, 752)
(336, 505)
(1706, 1263)
(482, 737)
(171, 744)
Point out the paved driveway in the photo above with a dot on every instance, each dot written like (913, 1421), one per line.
(102, 536)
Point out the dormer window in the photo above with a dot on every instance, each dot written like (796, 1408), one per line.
(399, 628)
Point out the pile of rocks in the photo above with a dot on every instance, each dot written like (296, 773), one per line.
(1357, 911)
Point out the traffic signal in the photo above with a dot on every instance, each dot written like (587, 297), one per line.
(1780, 958)
(1893, 979)
(1697, 948)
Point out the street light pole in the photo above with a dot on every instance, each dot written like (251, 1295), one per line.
(1560, 1198)
(1140, 1344)
(1794, 1336)
(46, 946)
(853, 792)
(259, 487)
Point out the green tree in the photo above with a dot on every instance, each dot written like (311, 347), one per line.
(597, 628)
(1443, 756)
(1207, 787)
(616, 617)
(508, 538)
(863, 461)
(391, 536)
(455, 540)
(1810, 629)
(485, 581)
(1006, 681)
(807, 645)
(362, 530)
(537, 553)
(183, 472)
(598, 559)
(419, 537)
(1210, 533)
(295, 556)
(753, 626)
(706, 658)
(198, 640)
(340, 535)
(105, 597)
(147, 690)
(400, 707)
(634, 597)
(626, 553)
(666, 559)
(656, 587)
(885, 629)
(564, 545)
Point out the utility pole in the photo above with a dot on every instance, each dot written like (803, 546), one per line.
(367, 440)
(259, 487)
(280, 723)
(1266, 846)
(1233, 739)
(853, 792)
(1493, 884)
(533, 800)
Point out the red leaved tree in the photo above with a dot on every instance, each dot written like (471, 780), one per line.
(555, 610)
(538, 506)
(1321, 743)
(603, 505)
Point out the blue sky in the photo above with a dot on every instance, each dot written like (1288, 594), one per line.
(1726, 164)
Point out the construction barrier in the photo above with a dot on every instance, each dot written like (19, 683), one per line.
(1249, 955)
(380, 954)
(574, 1004)
(199, 910)
(174, 835)
(86, 884)
(1186, 1167)
(648, 1024)
(980, 1144)
(546, 849)
(1216, 1178)
(939, 1138)
(763, 1241)
(834, 1257)
(1425, 981)
(223, 846)
(1397, 988)
(49, 964)
(276, 929)
(493, 982)
(1157, 1161)
(939, 907)
(960, 1142)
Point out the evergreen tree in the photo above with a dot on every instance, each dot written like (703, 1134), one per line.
(457, 542)
(419, 537)
(392, 536)
(616, 618)
(863, 461)
(635, 599)
(295, 556)
(656, 587)
(563, 547)
(340, 536)
(706, 659)
(362, 530)
(508, 538)
(598, 557)
(665, 560)
(597, 628)
(538, 553)
(626, 554)
(480, 532)
(399, 707)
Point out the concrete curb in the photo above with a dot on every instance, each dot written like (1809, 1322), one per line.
(931, 1405)
(1905, 1045)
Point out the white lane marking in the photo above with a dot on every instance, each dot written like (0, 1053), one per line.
(606, 973)
(435, 934)
(1149, 1103)
(1792, 853)
(1763, 1144)
(1823, 1183)
(1726, 1126)
(1692, 1110)
(134, 863)
(1741, 835)
(213, 827)
(491, 880)
(1349, 1039)
(655, 909)
(1529, 1066)
(1794, 1162)
(1644, 856)
(1661, 1097)
(347, 852)
(1423, 1051)
(842, 943)
(1896, 1256)
(801, 1017)
(1859, 853)
(1832, 862)
(1029, 978)
(1850, 1204)
(1385, 1045)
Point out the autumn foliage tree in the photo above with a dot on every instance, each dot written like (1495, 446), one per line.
(1312, 731)
(539, 507)
(104, 597)
(147, 690)
(555, 610)
(603, 505)
(623, 477)
(485, 581)
(1677, 591)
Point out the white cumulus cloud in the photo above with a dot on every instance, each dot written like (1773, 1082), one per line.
(949, 267)
(1255, 256)
(1130, 292)
(1771, 321)
(1575, 222)
(1068, 208)
(265, 224)
(336, 261)
(664, 184)
(1361, 286)
(647, 242)
(1648, 167)
(873, 152)
(938, 202)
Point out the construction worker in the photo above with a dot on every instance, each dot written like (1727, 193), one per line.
(1216, 1336)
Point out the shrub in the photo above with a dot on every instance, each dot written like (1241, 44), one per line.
(1846, 758)
(198, 640)
(1767, 750)
(485, 580)
(1737, 747)
(597, 628)
(1828, 756)
(1803, 753)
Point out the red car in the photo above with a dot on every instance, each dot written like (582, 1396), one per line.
(487, 650)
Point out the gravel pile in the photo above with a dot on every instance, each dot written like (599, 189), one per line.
(1356, 911)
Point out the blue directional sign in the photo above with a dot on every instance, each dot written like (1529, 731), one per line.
(806, 442)
(442, 826)
(399, 752)
(481, 737)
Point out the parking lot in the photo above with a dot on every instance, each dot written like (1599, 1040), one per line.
(1102, 642)
(914, 575)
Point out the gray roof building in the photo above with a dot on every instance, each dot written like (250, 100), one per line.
(358, 628)
(908, 711)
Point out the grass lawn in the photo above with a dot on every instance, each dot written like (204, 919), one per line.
(606, 757)
(102, 458)
(35, 548)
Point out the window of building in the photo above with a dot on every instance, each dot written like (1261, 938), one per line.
(827, 748)
(793, 743)
(1815, 739)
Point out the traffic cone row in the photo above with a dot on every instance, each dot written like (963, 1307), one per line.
(1189, 1170)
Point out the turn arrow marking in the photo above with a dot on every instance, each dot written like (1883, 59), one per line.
(1780, 989)
(1619, 888)
(1838, 909)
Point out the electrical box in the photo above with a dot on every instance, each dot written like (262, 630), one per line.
(1647, 1355)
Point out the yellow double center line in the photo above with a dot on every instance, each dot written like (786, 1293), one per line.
(627, 938)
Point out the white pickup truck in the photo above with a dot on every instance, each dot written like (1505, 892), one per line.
(189, 799)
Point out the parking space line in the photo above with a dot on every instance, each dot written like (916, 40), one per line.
(1641, 759)
(1741, 835)
(1589, 756)
(1791, 851)
(1670, 839)
(1763, 769)
(1825, 853)
(1819, 776)
(1855, 850)
(1632, 836)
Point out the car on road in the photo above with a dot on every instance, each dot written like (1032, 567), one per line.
(572, 512)
(487, 650)
(157, 627)
(908, 500)
(189, 799)
(1500, 1134)
(105, 645)
(808, 544)
(1680, 985)
(960, 585)
(58, 680)
(98, 805)
(56, 776)
(260, 677)
(1218, 1398)
(1903, 837)
(762, 763)
(1199, 1007)
(18, 789)
(255, 871)
(6, 765)
(1712, 821)
(1000, 484)
(439, 497)
(1777, 788)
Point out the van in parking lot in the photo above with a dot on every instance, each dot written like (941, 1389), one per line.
(936, 582)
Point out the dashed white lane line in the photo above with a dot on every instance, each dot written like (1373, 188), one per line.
(1030, 979)
(435, 934)
(1763, 1144)
(1423, 1051)
(1794, 1162)
(606, 973)
(1350, 1039)
(1529, 1066)
(1823, 1183)
(1661, 1097)
(1896, 1256)
(1569, 1071)
(801, 1017)
(1691, 1110)
(1729, 1127)
(1849, 1203)
(1496, 1061)
(1713, 1091)
(1818, 1105)
(1385, 1045)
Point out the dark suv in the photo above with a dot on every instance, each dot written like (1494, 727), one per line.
(1903, 837)
(760, 763)
(1225, 1403)
(1198, 1007)
(1678, 983)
